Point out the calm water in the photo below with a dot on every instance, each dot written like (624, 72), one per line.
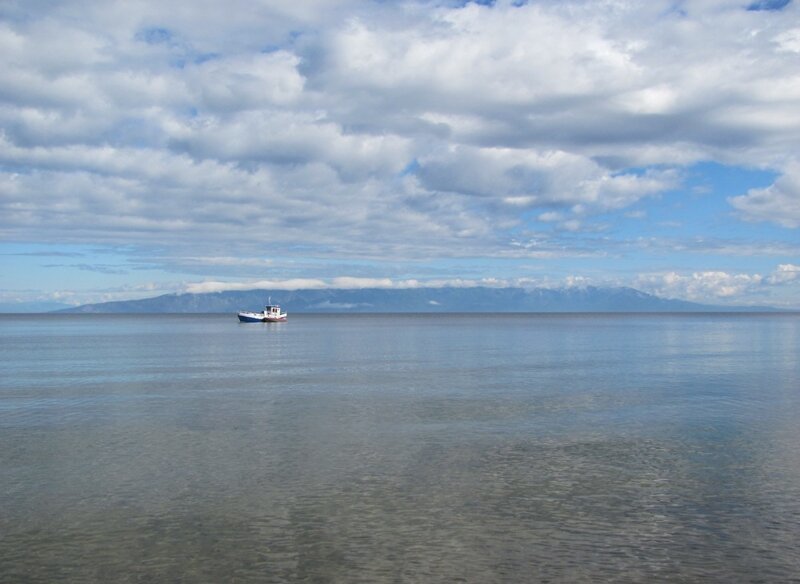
(569, 448)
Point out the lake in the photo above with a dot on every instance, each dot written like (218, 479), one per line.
(400, 448)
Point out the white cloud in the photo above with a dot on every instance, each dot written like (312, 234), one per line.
(789, 40)
(413, 131)
(480, 55)
(294, 284)
(778, 203)
(281, 137)
(352, 283)
(518, 103)
(699, 286)
(711, 285)
(77, 297)
(627, 79)
(247, 82)
(523, 179)
(225, 261)
(784, 274)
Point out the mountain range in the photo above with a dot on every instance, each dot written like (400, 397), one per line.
(473, 299)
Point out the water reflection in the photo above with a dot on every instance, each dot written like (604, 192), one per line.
(384, 449)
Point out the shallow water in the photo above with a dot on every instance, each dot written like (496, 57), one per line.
(400, 448)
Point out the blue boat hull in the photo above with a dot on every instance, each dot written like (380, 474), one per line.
(244, 318)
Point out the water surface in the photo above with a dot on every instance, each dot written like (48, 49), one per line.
(400, 448)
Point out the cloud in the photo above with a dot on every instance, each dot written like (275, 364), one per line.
(635, 81)
(226, 261)
(716, 246)
(530, 179)
(705, 286)
(281, 138)
(90, 296)
(784, 274)
(371, 131)
(713, 284)
(778, 203)
(349, 283)
(49, 253)
(101, 269)
(295, 284)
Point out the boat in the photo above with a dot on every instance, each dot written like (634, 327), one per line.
(271, 313)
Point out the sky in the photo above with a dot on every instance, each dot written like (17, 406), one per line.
(151, 147)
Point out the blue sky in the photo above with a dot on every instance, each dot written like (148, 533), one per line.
(150, 147)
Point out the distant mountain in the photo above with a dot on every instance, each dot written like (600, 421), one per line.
(28, 307)
(477, 299)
